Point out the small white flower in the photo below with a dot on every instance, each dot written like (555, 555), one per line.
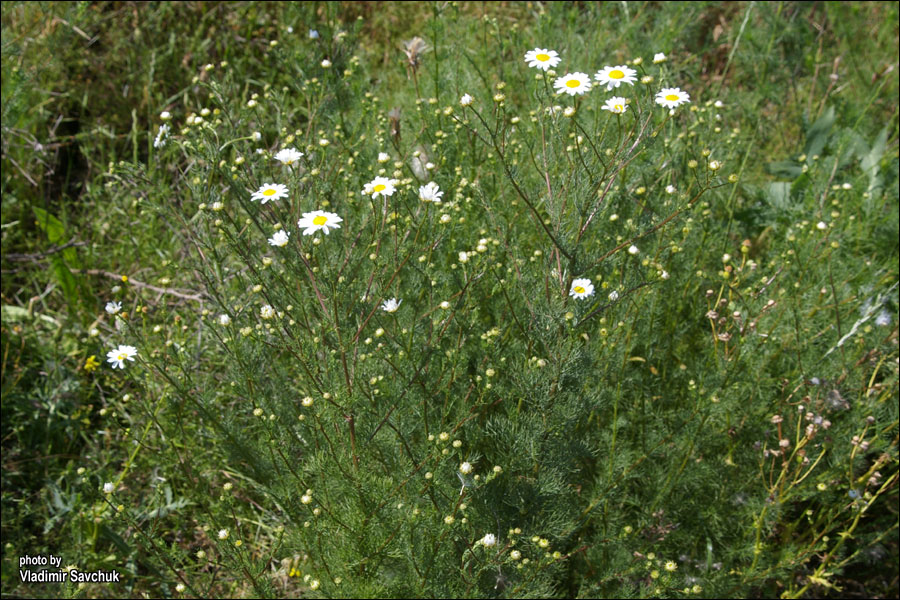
(581, 289)
(542, 59)
(113, 307)
(224, 320)
(313, 34)
(670, 189)
(718, 104)
(633, 250)
(257, 136)
(445, 305)
(569, 111)
(288, 156)
(118, 356)
(572, 84)
(108, 488)
(466, 100)
(326, 64)
(380, 186)
(280, 238)
(391, 305)
(445, 219)
(318, 220)
(465, 468)
(672, 97)
(613, 296)
(883, 319)
(616, 105)
(165, 115)
(613, 77)
(270, 191)
(430, 192)
(161, 136)
(223, 534)
(383, 157)
(821, 226)
(463, 257)
(267, 312)
(489, 540)
(659, 57)
(180, 588)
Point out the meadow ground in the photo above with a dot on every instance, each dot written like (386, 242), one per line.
(450, 299)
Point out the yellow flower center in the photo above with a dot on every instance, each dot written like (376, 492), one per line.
(320, 220)
(123, 356)
(269, 192)
(542, 57)
(573, 83)
(619, 108)
(579, 289)
(616, 74)
(380, 187)
(672, 97)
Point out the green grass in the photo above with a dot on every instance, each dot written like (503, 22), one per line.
(725, 424)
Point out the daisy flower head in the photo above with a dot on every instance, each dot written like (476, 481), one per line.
(572, 84)
(288, 156)
(613, 77)
(672, 97)
(318, 220)
(267, 312)
(391, 305)
(380, 186)
(270, 191)
(430, 192)
(113, 307)
(466, 100)
(489, 540)
(280, 238)
(581, 289)
(659, 57)
(118, 356)
(616, 105)
(542, 58)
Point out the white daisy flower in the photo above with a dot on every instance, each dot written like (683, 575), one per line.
(670, 189)
(391, 305)
(224, 320)
(267, 312)
(270, 191)
(659, 57)
(465, 468)
(223, 534)
(581, 289)
(616, 105)
(672, 97)
(113, 307)
(118, 356)
(613, 296)
(466, 100)
(380, 186)
(288, 156)
(318, 220)
(383, 157)
(542, 58)
(489, 540)
(633, 250)
(108, 488)
(613, 77)
(161, 136)
(430, 192)
(280, 238)
(572, 84)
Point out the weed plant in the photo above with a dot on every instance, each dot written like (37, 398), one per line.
(367, 306)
